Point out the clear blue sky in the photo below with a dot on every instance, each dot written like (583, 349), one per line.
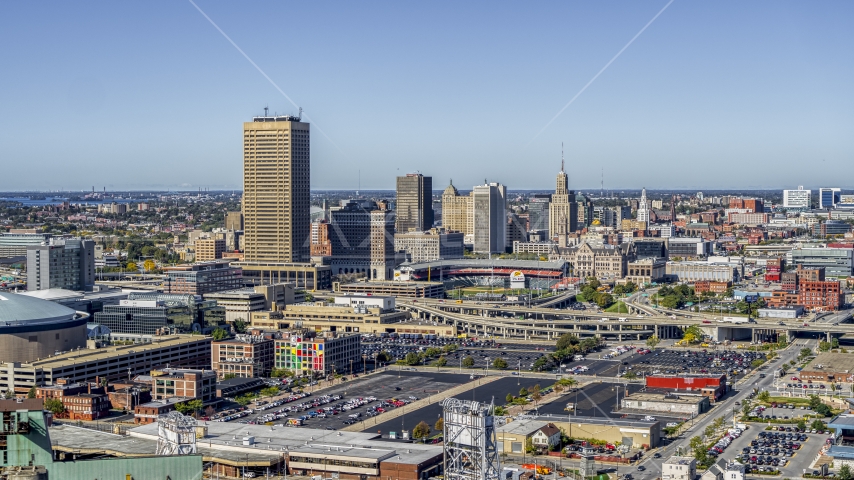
(711, 95)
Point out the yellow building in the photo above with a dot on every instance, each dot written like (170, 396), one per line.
(335, 318)
(457, 211)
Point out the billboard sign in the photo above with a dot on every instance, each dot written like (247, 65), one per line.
(517, 279)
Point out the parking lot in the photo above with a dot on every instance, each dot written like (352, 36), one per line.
(785, 450)
(734, 363)
(495, 390)
(382, 386)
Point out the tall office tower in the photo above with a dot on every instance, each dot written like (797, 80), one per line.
(382, 245)
(829, 197)
(538, 212)
(414, 203)
(563, 211)
(584, 210)
(276, 181)
(489, 211)
(62, 263)
(643, 208)
(457, 211)
(672, 208)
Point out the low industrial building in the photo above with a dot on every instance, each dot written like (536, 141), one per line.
(680, 405)
(112, 363)
(713, 386)
(238, 303)
(395, 289)
(28, 442)
(829, 367)
(636, 434)
(793, 311)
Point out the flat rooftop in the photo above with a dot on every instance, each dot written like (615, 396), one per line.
(594, 421)
(82, 356)
(832, 363)
(228, 436)
(521, 427)
(674, 460)
(655, 397)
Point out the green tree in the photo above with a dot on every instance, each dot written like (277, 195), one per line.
(630, 375)
(421, 431)
(523, 392)
(566, 340)
(529, 445)
(652, 341)
(195, 405)
(844, 472)
(31, 393)
(824, 346)
(818, 425)
(239, 325)
(468, 362)
(802, 424)
(243, 400)
(383, 357)
(604, 300)
(593, 283)
(281, 372)
(509, 398)
(709, 432)
(806, 352)
(182, 408)
(54, 406)
(412, 358)
(619, 290)
(219, 334)
(764, 396)
(746, 408)
(815, 401)
(442, 361)
(440, 425)
(269, 391)
(450, 347)
(499, 363)
(757, 363)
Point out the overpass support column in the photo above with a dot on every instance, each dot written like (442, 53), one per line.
(829, 339)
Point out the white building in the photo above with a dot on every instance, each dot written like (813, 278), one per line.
(679, 468)
(643, 208)
(797, 199)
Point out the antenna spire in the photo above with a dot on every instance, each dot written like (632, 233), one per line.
(265, 110)
(561, 157)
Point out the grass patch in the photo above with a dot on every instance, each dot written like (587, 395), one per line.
(618, 307)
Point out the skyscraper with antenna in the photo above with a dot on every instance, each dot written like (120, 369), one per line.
(562, 211)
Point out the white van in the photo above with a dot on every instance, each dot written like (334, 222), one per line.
(355, 415)
(622, 319)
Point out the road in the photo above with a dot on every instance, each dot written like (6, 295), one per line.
(721, 409)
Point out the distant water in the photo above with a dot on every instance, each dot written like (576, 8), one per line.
(29, 202)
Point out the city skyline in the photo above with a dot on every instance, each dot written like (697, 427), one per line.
(140, 91)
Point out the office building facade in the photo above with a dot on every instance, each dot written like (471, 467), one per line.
(61, 263)
(797, 199)
(148, 314)
(489, 207)
(837, 262)
(201, 278)
(431, 245)
(829, 197)
(563, 214)
(276, 182)
(245, 356)
(305, 353)
(382, 246)
(208, 249)
(414, 203)
(457, 211)
(538, 212)
(14, 244)
(350, 237)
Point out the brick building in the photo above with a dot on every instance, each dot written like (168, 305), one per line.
(82, 401)
(820, 296)
(243, 356)
(320, 245)
(148, 412)
(789, 281)
(703, 286)
(186, 383)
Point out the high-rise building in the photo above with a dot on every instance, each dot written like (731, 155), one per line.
(382, 245)
(350, 237)
(414, 203)
(320, 244)
(643, 208)
(797, 199)
(538, 212)
(208, 249)
(563, 210)
(829, 197)
(431, 245)
(15, 243)
(457, 211)
(276, 181)
(61, 263)
(489, 211)
(201, 278)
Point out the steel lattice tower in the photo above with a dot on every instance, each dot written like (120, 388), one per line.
(470, 441)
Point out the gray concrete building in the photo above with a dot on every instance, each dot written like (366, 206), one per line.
(489, 207)
(61, 263)
(14, 244)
